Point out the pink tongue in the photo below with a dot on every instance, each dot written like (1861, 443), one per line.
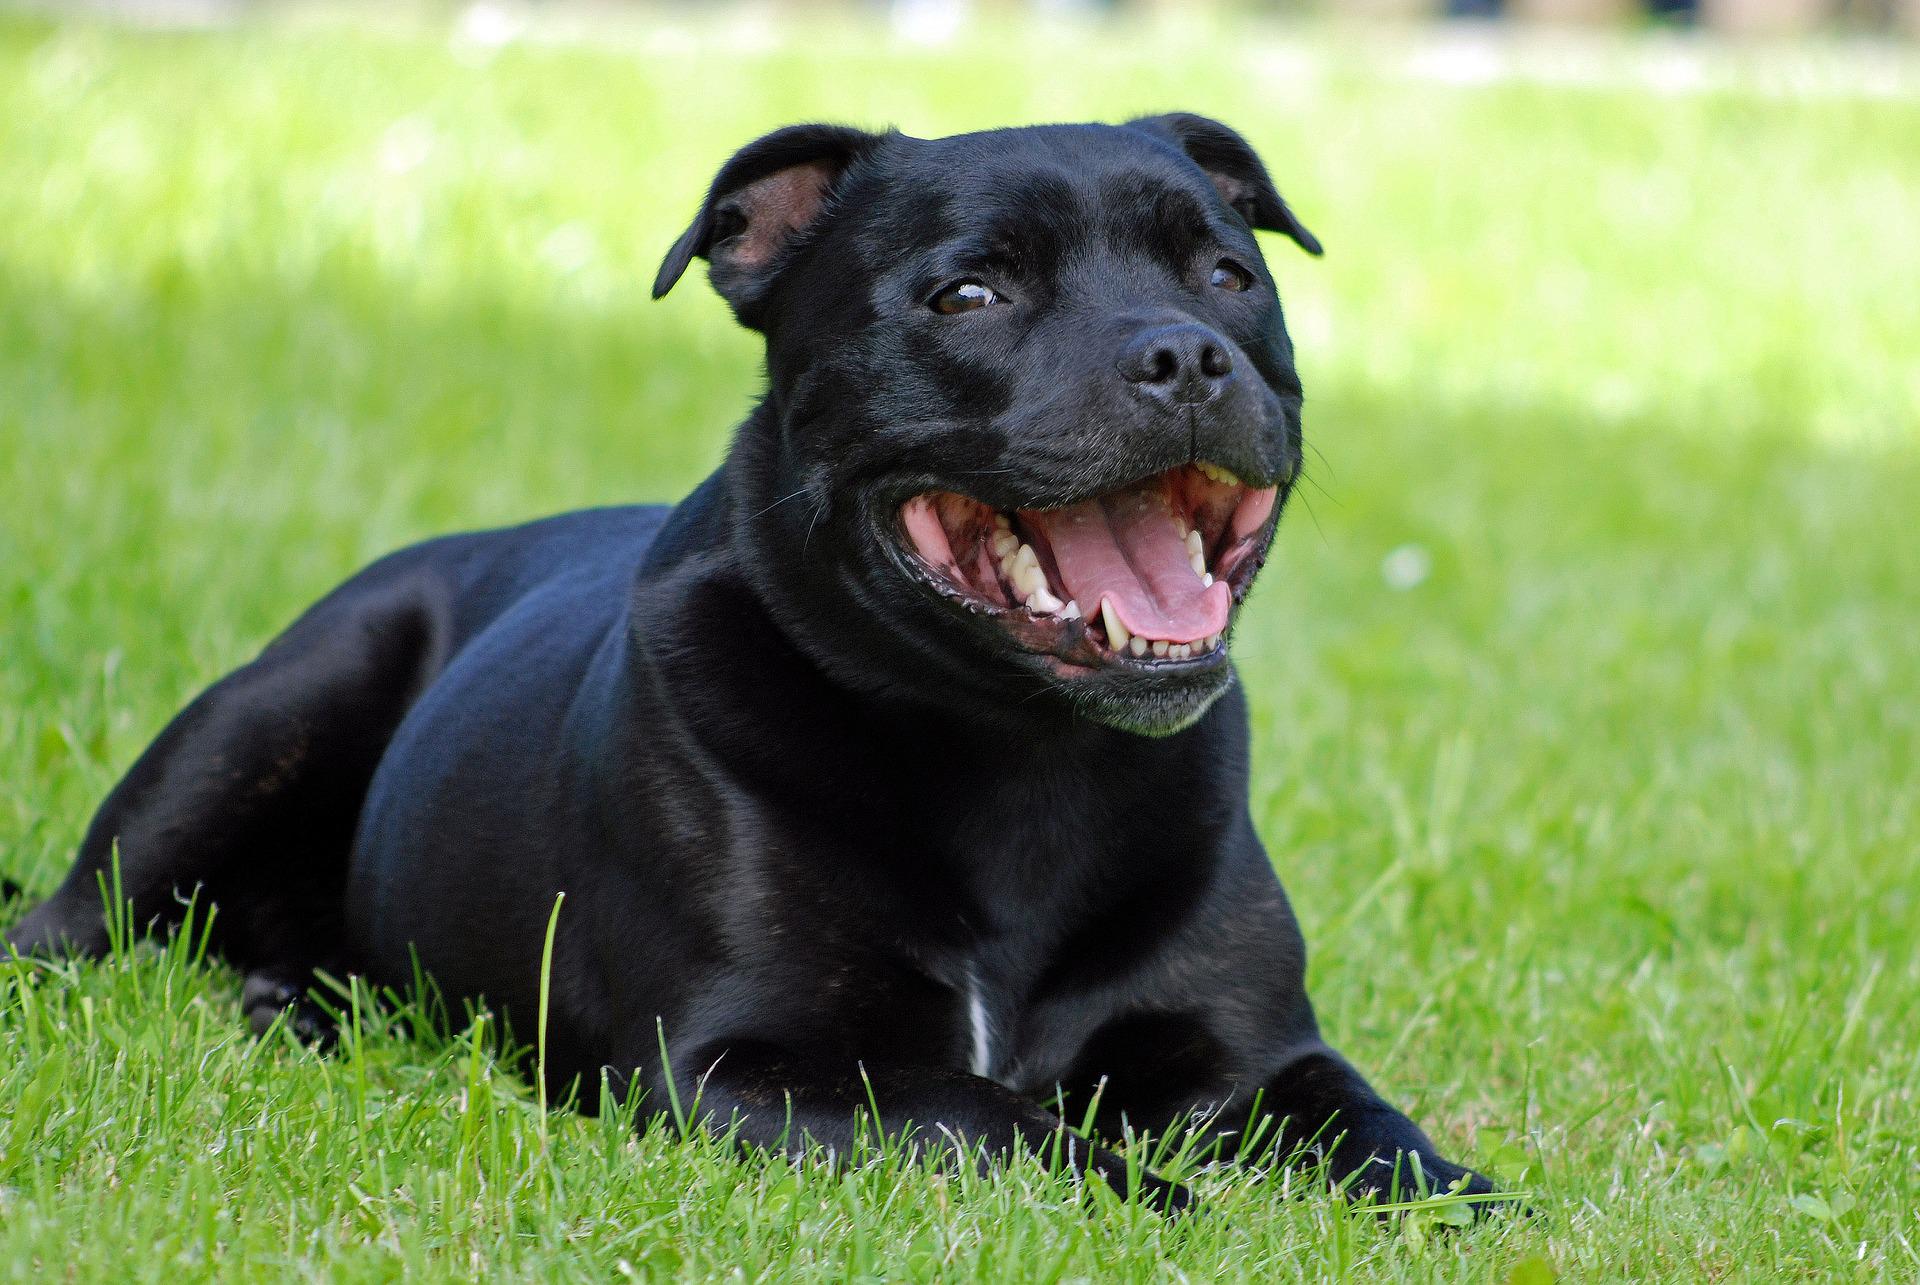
(1127, 549)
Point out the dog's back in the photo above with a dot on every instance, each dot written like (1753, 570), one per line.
(291, 742)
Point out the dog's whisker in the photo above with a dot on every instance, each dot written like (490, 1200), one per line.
(782, 500)
(1315, 448)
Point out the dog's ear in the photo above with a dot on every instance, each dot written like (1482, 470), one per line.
(770, 192)
(1235, 169)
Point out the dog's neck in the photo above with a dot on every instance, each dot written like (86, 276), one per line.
(1022, 813)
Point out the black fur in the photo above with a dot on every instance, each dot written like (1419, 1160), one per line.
(804, 810)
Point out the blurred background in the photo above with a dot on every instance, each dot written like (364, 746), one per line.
(933, 19)
(1585, 684)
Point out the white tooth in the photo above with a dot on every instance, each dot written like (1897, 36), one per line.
(1160, 647)
(1137, 645)
(1199, 565)
(1002, 521)
(1206, 578)
(1032, 580)
(1042, 600)
(1214, 641)
(1024, 556)
(1196, 548)
(1183, 652)
(1116, 632)
(1004, 542)
(1073, 610)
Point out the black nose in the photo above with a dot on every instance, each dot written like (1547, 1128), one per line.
(1184, 362)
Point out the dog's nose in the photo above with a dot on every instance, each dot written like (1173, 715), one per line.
(1185, 363)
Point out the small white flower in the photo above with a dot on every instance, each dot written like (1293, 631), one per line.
(1406, 567)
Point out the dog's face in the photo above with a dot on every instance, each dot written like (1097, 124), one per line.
(1032, 401)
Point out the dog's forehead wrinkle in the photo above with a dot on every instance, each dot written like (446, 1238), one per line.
(1025, 228)
(1140, 195)
(1005, 194)
(908, 212)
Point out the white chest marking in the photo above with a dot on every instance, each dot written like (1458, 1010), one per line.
(982, 1031)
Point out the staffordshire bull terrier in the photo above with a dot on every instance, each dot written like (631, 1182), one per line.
(903, 762)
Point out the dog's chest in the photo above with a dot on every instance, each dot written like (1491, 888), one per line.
(988, 1013)
(1025, 904)
(1046, 862)
(1002, 1030)
(981, 1051)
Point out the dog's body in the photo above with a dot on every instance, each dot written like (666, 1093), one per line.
(845, 796)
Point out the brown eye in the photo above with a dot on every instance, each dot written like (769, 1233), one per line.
(963, 296)
(1228, 275)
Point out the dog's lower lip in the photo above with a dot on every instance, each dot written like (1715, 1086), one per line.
(1126, 579)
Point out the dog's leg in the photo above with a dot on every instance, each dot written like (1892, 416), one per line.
(279, 990)
(781, 1101)
(1318, 1107)
(249, 797)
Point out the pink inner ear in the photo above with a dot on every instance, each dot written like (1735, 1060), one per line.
(776, 207)
(1231, 190)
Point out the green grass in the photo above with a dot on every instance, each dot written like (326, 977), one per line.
(1605, 834)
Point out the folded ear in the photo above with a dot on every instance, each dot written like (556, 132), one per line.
(772, 190)
(1236, 170)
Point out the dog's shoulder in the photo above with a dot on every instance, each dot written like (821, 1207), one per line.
(506, 558)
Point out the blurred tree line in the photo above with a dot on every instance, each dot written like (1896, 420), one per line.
(1736, 17)
(1776, 18)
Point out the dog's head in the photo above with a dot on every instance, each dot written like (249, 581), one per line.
(1032, 408)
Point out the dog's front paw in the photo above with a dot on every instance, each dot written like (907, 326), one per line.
(265, 997)
(1396, 1181)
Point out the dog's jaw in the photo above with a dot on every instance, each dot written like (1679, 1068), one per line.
(1141, 578)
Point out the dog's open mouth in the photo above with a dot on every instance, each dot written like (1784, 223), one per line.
(1147, 573)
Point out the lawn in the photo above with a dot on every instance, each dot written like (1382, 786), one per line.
(1586, 678)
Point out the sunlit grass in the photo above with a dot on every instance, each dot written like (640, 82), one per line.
(1586, 680)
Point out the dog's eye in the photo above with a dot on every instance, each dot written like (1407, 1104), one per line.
(1228, 275)
(963, 296)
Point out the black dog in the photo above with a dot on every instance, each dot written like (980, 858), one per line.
(904, 757)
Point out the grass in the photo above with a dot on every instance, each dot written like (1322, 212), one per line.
(1587, 683)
